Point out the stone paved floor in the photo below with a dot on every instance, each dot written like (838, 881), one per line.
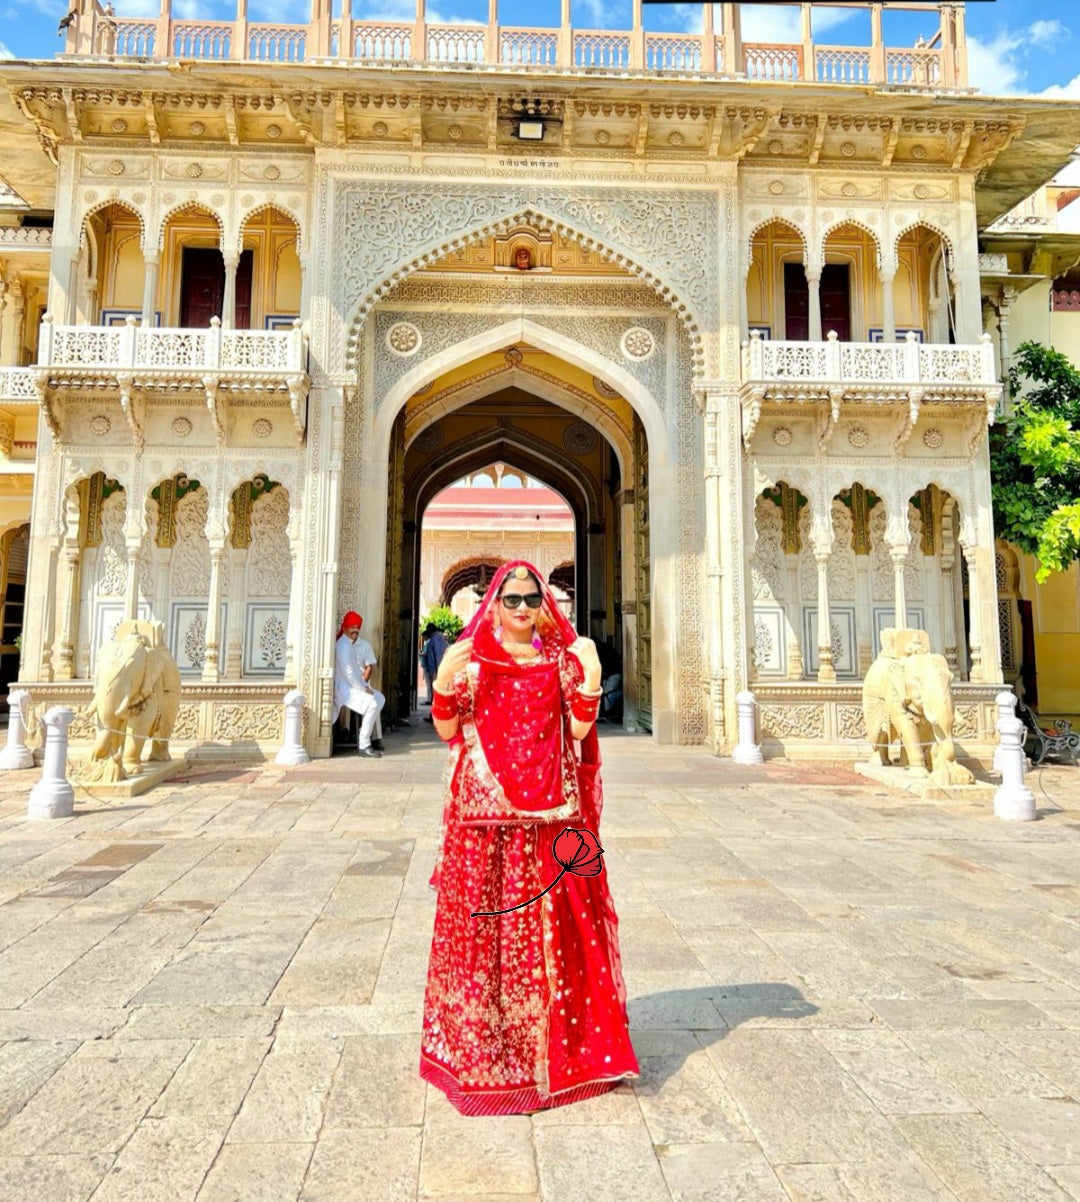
(837, 993)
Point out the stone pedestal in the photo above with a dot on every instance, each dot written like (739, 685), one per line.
(53, 796)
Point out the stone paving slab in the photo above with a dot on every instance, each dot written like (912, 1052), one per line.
(213, 993)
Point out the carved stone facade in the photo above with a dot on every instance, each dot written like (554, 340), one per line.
(750, 507)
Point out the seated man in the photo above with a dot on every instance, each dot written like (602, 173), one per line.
(353, 661)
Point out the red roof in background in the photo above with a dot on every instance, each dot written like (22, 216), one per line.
(499, 509)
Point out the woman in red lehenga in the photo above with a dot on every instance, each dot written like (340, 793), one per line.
(525, 1010)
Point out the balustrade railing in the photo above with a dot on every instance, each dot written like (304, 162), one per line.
(134, 37)
(1065, 300)
(529, 47)
(841, 64)
(672, 52)
(17, 384)
(595, 49)
(136, 348)
(939, 64)
(832, 361)
(773, 63)
(277, 43)
(455, 43)
(202, 39)
(382, 41)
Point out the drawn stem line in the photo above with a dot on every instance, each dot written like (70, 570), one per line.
(492, 913)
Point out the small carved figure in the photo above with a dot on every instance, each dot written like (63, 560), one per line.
(136, 697)
(907, 694)
(523, 259)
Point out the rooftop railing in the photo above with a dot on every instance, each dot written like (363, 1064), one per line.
(939, 63)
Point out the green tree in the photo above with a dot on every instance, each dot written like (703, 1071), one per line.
(1035, 459)
(446, 620)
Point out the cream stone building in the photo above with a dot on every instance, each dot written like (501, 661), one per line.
(723, 297)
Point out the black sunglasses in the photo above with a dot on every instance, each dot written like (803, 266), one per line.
(513, 600)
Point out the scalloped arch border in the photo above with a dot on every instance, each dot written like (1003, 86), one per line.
(407, 267)
(188, 206)
(262, 207)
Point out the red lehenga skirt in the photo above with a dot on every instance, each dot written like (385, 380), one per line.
(524, 1011)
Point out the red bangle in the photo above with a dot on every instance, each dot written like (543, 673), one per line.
(444, 706)
(585, 707)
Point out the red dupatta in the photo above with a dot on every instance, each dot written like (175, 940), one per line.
(517, 706)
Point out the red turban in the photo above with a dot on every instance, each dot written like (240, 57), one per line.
(351, 619)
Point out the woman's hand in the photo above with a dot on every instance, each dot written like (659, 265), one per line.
(584, 651)
(453, 662)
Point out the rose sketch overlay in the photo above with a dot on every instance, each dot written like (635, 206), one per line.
(577, 850)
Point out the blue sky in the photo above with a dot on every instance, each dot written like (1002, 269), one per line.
(1016, 47)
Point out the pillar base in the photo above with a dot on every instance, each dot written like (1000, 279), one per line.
(1015, 803)
(12, 758)
(51, 799)
(292, 756)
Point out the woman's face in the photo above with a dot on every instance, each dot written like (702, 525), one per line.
(520, 619)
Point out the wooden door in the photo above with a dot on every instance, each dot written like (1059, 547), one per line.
(202, 286)
(796, 303)
(242, 311)
(836, 300)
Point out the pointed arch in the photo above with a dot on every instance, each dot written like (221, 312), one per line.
(190, 206)
(534, 217)
(268, 206)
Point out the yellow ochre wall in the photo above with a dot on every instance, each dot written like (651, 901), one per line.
(1055, 605)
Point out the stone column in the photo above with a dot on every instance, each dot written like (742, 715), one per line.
(898, 553)
(826, 669)
(888, 318)
(864, 615)
(714, 517)
(131, 591)
(16, 336)
(296, 590)
(234, 640)
(970, 551)
(732, 47)
(796, 664)
(813, 283)
(228, 305)
(152, 261)
(65, 668)
(48, 621)
(211, 672)
(71, 315)
(629, 609)
(948, 608)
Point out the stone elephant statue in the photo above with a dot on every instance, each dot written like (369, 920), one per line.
(907, 694)
(136, 697)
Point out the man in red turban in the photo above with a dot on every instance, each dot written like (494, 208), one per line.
(353, 661)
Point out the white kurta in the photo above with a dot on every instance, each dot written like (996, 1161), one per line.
(351, 691)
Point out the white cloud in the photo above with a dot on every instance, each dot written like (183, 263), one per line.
(5, 52)
(998, 67)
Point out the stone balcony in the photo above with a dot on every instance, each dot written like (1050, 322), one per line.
(17, 386)
(136, 365)
(830, 375)
(940, 63)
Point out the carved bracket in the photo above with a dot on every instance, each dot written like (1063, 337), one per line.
(214, 406)
(48, 404)
(298, 393)
(751, 415)
(907, 420)
(827, 421)
(134, 410)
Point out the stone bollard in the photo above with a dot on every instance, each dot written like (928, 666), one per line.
(746, 751)
(52, 796)
(292, 750)
(1006, 707)
(16, 754)
(1013, 800)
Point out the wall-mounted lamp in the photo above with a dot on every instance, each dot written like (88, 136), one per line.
(530, 131)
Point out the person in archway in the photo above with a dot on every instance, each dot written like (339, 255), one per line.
(525, 1005)
(353, 662)
(431, 656)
